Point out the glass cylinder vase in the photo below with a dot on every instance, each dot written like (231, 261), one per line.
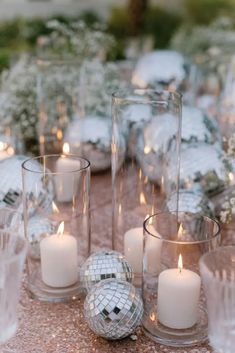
(57, 224)
(174, 302)
(218, 274)
(57, 99)
(146, 139)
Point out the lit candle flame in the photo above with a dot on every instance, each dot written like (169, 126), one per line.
(231, 176)
(66, 148)
(55, 208)
(142, 199)
(60, 230)
(147, 149)
(180, 231)
(59, 134)
(180, 263)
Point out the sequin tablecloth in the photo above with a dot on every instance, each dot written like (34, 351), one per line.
(59, 327)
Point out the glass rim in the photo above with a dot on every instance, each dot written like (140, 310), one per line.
(204, 266)
(194, 242)
(125, 94)
(45, 172)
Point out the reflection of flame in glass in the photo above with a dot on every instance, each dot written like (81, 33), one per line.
(3, 146)
(152, 317)
(59, 134)
(41, 139)
(142, 199)
(180, 231)
(119, 209)
(60, 230)
(55, 208)
(150, 219)
(10, 151)
(113, 147)
(146, 179)
(147, 149)
(66, 148)
(231, 176)
(140, 174)
(180, 263)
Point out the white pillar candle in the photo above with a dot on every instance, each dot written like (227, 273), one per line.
(178, 296)
(59, 263)
(133, 250)
(65, 180)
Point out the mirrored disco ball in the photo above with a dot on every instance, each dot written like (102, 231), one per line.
(103, 265)
(154, 143)
(37, 228)
(203, 164)
(40, 193)
(113, 309)
(191, 201)
(160, 67)
(91, 136)
(199, 127)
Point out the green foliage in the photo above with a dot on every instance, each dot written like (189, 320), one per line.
(118, 22)
(89, 17)
(205, 11)
(5, 56)
(161, 25)
(33, 28)
(11, 34)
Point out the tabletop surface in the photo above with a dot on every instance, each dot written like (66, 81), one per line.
(60, 327)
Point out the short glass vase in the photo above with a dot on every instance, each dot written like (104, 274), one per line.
(174, 301)
(57, 224)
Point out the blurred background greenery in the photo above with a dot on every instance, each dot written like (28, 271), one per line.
(137, 19)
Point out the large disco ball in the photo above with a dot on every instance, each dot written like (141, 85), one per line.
(113, 309)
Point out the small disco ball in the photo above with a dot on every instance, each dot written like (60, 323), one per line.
(113, 309)
(103, 265)
(160, 67)
(11, 189)
(91, 136)
(37, 228)
(197, 126)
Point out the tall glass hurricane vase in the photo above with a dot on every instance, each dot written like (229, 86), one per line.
(13, 249)
(57, 224)
(57, 98)
(146, 139)
(218, 275)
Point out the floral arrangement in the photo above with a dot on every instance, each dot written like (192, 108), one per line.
(21, 84)
(210, 47)
(228, 207)
(76, 40)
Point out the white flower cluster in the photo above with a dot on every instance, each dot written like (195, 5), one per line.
(28, 81)
(228, 209)
(210, 46)
(98, 81)
(18, 103)
(76, 39)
